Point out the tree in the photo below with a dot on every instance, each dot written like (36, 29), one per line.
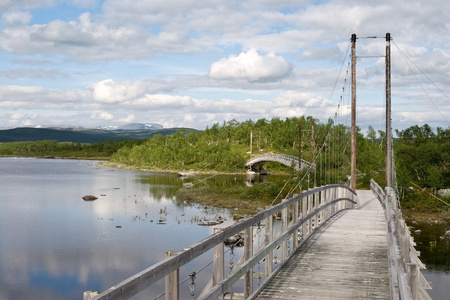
(371, 134)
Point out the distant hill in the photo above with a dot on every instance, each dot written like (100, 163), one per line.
(82, 135)
(148, 126)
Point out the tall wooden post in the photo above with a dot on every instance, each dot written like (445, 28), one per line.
(259, 142)
(299, 145)
(313, 142)
(388, 113)
(353, 156)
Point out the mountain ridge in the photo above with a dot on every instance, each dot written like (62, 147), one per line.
(77, 134)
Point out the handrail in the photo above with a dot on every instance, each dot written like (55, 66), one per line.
(406, 280)
(306, 211)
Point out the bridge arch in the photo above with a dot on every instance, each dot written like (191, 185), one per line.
(287, 160)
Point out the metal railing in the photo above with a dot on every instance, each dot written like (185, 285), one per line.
(406, 280)
(299, 216)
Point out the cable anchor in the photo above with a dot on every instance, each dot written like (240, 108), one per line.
(192, 283)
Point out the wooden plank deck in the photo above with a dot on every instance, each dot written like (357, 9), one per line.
(345, 259)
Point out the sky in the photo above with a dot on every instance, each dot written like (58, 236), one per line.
(193, 63)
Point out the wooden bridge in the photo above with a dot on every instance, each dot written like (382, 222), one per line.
(325, 243)
(287, 160)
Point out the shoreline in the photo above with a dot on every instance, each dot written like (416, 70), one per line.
(410, 215)
(110, 164)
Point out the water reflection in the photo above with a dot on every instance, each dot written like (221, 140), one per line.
(435, 254)
(432, 244)
(55, 245)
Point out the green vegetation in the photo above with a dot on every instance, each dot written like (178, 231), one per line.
(220, 148)
(224, 148)
(422, 160)
(53, 148)
(241, 199)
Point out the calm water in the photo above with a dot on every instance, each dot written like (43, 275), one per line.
(54, 245)
(435, 254)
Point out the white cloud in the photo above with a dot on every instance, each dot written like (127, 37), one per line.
(84, 3)
(102, 115)
(109, 91)
(26, 4)
(21, 116)
(32, 97)
(17, 17)
(252, 67)
(162, 101)
(126, 119)
(295, 104)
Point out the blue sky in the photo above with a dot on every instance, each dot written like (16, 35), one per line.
(192, 63)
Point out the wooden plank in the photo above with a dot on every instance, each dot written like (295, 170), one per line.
(345, 259)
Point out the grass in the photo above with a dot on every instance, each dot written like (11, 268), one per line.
(241, 199)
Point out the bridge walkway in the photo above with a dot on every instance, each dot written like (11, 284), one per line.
(346, 259)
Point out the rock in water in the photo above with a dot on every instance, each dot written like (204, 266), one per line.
(89, 198)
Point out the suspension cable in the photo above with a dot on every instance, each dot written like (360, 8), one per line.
(405, 58)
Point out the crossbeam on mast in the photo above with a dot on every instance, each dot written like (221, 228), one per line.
(370, 56)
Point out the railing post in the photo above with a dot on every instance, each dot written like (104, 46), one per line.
(336, 195)
(330, 198)
(295, 220)
(413, 274)
(304, 213)
(322, 202)
(308, 211)
(325, 201)
(342, 194)
(172, 281)
(248, 253)
(405, 243)
(269, 238)
(316, 205)
(284, 228)
(218, 262)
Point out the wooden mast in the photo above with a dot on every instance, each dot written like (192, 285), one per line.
(388, 113)
(353, 155)
(299, 145)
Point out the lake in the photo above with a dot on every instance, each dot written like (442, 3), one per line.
(55, 245)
